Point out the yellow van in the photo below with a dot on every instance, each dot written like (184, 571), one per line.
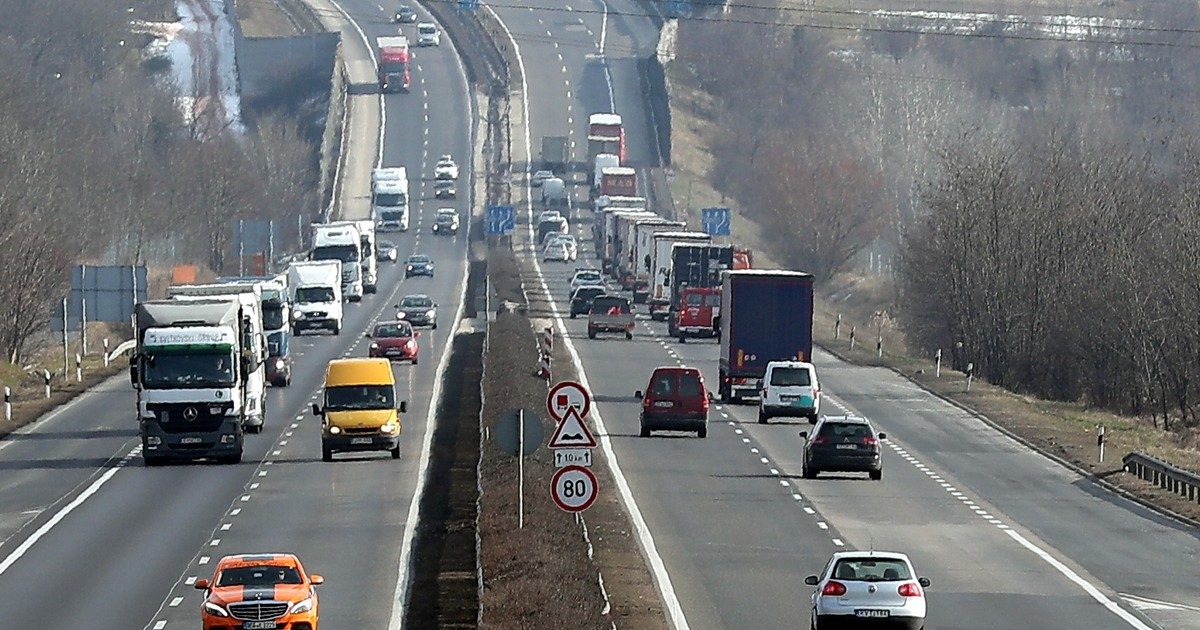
(360, 410)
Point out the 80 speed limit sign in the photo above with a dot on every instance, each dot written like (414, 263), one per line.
(574, 488)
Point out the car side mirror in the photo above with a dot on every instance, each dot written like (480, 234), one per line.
(416, 333)
(403, 406)
(711, 398)
(201, 584)
(316, 580)
(367, 334)
(883, 436)
(811, 580)
(316, 409)
(924, 582)
(396, 306)
(638, 394)
(804, 434)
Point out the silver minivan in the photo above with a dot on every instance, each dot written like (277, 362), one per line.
(790, 389)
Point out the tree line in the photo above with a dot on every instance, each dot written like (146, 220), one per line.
(1041, 194)
(96, 165)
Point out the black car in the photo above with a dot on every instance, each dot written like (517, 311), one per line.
(418, 265)
(581, 299)
(405, 15)
(444, 189)
(843, 444)
(418, 310)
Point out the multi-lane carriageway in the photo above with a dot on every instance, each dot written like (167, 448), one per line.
(1010, 540)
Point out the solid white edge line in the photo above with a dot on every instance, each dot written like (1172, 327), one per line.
(404, 577)
(37, 535)
(658, 568)
(1091, 590)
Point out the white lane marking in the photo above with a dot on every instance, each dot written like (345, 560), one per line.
(235, 511)
(162, 623)
(1087, 587)
(37, 535)
(838, 542)
(203, 560)
(225, 526)
(175, 602)
(214, 542)
(822, 524)
(190, 581)
(662, 578)
(1146, 603)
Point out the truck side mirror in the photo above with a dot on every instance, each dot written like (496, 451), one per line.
(316, 409)
(403, 406)
(133, 373)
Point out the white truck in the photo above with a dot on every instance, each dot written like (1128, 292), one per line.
(249, 298)
(370, 264)
(660, 264)
(316, 287)
(642, 252)
(389, 199)
(603, 161)
(190, 370)
(341, 242)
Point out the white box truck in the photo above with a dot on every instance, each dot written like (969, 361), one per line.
(341, 242)
(661, 257)
(389, 199)
(316, 287)
(369, 262)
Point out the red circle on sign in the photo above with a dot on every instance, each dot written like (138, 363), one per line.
(559, 485)
(571, 389)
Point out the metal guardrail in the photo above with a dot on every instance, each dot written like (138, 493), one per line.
(1163, 474)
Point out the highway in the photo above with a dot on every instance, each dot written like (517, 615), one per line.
(1009, 538)
(91, 538)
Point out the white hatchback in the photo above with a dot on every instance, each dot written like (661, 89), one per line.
(790, 389)
(868, 589)
(428, 34)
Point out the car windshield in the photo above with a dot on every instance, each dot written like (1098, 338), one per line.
(171, 369)
(393, 329)
(446, 218)
(790, 376)
(587, 277)
(588, 293)
(871, 569)
(413, 301)
(273, 317)
(695, 299)
(845, 430)
(344, 253)
(310, 295)
(419, 260)
(444, 184)
(610, 306)
(357, 397)
(259, 575)
(426, 29)
(390, 199)
(385, 246)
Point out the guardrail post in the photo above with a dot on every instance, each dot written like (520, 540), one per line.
(937, 363)
(46, 376)
(852, 337)
(879, 346)
(106, 352)
(837, 327)
(78, 368)
(7, 404)
(1100, 439)
(970, 375)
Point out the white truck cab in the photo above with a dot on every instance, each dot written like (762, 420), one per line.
(341, 242)
(790, 389)
(389, 199)
(316, 287)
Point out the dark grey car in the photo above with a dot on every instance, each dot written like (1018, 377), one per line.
(418, 310)
(843, 444)
(418, 265)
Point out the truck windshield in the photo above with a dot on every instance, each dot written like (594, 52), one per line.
(393, 67)
(272, 317)
(392, 215)
(277, 344)
(390, 199)
(172, 370)
(355, 397)
(309, 295)
(344, 253)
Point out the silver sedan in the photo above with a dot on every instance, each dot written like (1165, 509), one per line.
(868, 589)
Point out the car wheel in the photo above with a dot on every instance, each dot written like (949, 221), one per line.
(762, 417)
(876, 475)
(236, 458)
(414, 361)
(434, 327)
(628, 335)
(326, 455)
(808, 472)
(682, 338)
(591, 334)
(812, 419)
(396, 453)
(572, 315)
(150, 462)
(645, 431)
(702, 433)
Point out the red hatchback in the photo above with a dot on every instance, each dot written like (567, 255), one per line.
(394, 340)
(675, 400)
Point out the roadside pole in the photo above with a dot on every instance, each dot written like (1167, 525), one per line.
(66, 350)
(520, 469)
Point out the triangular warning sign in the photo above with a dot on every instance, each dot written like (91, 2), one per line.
(572, 432)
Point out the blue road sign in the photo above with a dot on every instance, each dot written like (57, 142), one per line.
(500, 220)
(716, 221)
(468, 5)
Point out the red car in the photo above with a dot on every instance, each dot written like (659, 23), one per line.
(675, 400)
(394, 340)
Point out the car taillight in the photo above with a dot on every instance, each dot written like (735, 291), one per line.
(910, 589)
(870, 441)
(820, 440)
(834, 589)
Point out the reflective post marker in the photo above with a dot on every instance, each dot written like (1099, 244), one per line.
(106, 352)
(7, 404)
(937, 361)
(78, 368)
(46, 375)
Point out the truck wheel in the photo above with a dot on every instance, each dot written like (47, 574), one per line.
(396, 453)
(762, 417)
(572, 315)
(236, 458)
(628, 335)
(682, 338)
(326, 454)
(723, 390)
(337, 329)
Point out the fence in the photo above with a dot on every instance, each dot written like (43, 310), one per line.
(1163, 474)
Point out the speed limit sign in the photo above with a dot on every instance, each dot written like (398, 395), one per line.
(574, 488)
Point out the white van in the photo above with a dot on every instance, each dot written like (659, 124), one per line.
(790, 389)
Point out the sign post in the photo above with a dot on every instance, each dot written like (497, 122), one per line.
(518, 433)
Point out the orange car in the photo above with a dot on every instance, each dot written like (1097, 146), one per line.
(260, 592)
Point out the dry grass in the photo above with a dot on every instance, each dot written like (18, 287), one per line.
(1065, 430)
(264, 18)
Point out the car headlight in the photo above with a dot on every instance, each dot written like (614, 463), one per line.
(401, 315)
(334, 430)
(374, 346)
(388, 428)
(432, 313)
(410, 268)
(214, 609)
(412, 343)
(302, 606)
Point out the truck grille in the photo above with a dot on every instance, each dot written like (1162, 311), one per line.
(189, 417)
(258, 611)
(315, 314)
(361, 430)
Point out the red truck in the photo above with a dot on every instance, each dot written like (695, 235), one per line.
(393, 64)
(606, 134)
(742, 259)
(618, 181)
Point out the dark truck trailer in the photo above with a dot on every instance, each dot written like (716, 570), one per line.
(766, 315)
(555, 154)
(695, 267)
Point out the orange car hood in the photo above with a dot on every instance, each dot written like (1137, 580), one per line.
(280, 592)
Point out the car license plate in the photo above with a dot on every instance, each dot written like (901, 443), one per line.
(664, 403)
(260, 625)
(847, 447)
(190, 440)
(360, 440)
(871, 613)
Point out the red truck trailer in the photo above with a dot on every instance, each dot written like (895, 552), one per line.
(606, 134)
(393, 64)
